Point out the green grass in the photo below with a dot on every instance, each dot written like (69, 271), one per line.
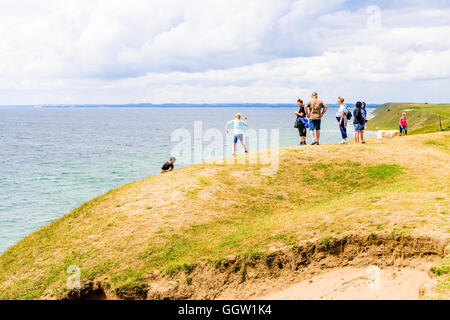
(434, 143)
(248, 228)
(311, 198)
(442, 268)
(441, 284)
(384, 171)
(204, 181)
(128, 279)
(327, 242)
(422, 118)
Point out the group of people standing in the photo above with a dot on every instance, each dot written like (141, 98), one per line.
(309, 116)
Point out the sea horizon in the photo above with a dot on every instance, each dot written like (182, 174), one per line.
(175, 105)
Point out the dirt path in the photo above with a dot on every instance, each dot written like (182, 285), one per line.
(357, 283)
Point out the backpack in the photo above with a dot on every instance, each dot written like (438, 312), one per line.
(300, 121)
(349, 114)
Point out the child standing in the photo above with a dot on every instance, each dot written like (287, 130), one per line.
(238, 127)
(403, 126)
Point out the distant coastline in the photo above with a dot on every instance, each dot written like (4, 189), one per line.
(422, 118)
(172, 105)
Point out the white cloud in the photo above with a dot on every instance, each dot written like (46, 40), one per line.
(219, 51)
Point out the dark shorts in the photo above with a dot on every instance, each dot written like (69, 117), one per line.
(301, 129)
(238, 137)
(314, 124)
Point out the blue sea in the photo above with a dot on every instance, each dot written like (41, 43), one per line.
(52, 159)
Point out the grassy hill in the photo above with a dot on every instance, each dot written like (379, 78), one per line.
(422, 118)
(154, 233)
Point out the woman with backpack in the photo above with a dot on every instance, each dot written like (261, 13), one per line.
(342, 117)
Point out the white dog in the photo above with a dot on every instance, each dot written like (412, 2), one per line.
(389, 134)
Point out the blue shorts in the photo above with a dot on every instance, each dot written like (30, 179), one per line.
(314, 124)
(358, 127)
(238, 137)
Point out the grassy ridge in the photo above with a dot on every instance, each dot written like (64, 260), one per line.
(422, 118)
(209, 211)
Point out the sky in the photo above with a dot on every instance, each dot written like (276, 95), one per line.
(223, 51)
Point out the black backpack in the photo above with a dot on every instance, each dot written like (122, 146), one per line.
(349, 114)
(298, 122)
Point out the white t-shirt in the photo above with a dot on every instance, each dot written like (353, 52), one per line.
(342, 107)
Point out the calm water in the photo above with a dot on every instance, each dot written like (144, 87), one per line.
(54, 159)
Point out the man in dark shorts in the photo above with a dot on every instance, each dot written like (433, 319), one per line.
(301, 124)
(316, 109)
(168, 166)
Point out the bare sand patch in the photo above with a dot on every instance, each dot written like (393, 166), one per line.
(371, 283)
